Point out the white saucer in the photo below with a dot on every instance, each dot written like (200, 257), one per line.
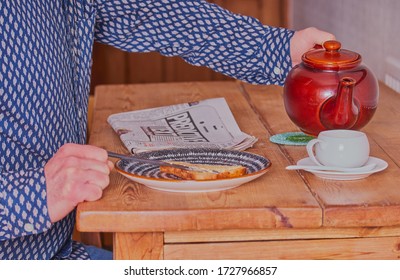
(334, 175)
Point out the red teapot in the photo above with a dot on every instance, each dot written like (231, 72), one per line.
(330, 89)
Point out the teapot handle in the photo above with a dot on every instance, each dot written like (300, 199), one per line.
(310, 151)
(318, 47)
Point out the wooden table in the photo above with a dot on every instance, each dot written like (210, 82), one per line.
(282, 215)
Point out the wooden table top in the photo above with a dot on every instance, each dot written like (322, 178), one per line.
(278, 199)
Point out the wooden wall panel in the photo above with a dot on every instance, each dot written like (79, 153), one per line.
(113, 66)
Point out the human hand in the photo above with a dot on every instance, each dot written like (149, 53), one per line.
(305, 40)
(74, 174)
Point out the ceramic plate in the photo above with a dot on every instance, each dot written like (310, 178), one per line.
(152, 177)
(334, 175)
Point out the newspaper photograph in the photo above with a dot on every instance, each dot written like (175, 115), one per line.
(202, 124)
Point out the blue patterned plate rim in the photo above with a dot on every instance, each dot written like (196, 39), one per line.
(255, 164)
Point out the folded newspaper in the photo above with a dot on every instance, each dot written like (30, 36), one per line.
(202, 124)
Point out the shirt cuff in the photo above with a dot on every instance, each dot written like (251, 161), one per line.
(23, 207)
(278, 61)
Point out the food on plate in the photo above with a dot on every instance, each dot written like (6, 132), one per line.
(202, 172)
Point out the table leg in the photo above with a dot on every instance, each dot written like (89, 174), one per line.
(138, 246)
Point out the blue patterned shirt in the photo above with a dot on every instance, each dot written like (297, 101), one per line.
(45, 64)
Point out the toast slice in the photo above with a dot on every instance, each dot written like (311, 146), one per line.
(211, 171)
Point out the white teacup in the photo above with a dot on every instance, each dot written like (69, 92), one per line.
(339, 148)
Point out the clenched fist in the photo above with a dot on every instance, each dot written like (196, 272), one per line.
(74, 174)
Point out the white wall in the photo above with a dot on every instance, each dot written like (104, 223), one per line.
(369, 27)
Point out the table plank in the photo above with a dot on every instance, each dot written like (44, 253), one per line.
(276, 200)
(384, 127)
(373, 201)
(235, 235)
(382, 248)
(138, 246)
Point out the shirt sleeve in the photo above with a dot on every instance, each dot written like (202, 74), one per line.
(201, 33)
(23, 207)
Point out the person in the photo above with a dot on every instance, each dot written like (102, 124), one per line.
(45, 56)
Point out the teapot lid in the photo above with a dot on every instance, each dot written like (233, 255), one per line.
(331, 57)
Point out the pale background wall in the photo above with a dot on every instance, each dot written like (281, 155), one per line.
(369, 27)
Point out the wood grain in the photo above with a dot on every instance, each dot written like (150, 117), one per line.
(277, 199)
(345, 249)
(205, 236)
(283, 214)
(374, 201)
(143, 246)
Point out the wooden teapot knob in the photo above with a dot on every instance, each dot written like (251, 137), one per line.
(332, 46)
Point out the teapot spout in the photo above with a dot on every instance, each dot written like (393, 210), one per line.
(342, 110)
